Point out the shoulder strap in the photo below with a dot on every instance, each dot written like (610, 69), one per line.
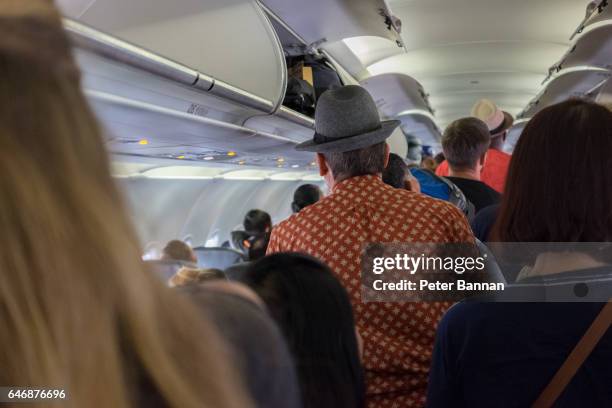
(576, 358)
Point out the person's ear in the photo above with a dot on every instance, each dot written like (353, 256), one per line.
(387, 153)
(323, 168)
(483, 159)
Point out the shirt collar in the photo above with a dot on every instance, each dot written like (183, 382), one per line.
(348, 183)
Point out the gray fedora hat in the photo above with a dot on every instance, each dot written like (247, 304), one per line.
(346, 119)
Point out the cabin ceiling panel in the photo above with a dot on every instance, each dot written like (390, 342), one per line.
(465, 50)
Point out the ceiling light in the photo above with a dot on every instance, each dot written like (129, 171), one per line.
(280, 160)
(231, 154)
(143, 142)
(181, 157)
(209, 158)
(295, 166)
(241, 162)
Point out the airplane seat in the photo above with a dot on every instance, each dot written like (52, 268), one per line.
(165, 269)
(217, 257)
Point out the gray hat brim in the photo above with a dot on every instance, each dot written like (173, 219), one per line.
(352, 142)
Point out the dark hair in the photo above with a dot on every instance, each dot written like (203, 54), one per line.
(314, 312)
(439, 158)
(257, 222)
(464, 142)
(395, 172)
(258, 246)
(178, 251)
(256, 343)
(361, 162)
(305, 195)
(559, 184)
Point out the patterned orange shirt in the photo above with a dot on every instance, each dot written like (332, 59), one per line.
(398, 337)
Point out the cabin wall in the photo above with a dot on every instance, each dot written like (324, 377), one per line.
(203, 211)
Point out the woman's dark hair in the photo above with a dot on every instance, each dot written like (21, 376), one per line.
(305, 195)
(314, 312)
(395, 172)
(559, 185)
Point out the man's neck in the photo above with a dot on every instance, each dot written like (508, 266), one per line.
(335, 181)
(471, 174)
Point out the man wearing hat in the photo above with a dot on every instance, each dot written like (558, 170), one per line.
(497, 161)
(351, 153)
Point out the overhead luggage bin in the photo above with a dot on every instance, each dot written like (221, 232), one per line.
(244, 54)
(605, 94)
(584, 83)
(399, 96)
(156, 89)
(396, 93)
(592, 49)
(318, 22)
(513, 135)
(422, 126)
(596, 14)
(141, 129)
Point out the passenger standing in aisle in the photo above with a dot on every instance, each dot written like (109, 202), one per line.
(495, 169)
(351, 155)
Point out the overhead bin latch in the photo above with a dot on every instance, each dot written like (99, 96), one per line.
(391, 21)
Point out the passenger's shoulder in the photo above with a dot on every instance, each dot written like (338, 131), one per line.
(434, 206)
(297, 218)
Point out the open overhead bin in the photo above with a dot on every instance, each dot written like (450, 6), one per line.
(597, 12)
(181, 63)
(318, 22)
(592, 49)
(355, 34)
(585, 83)
(229, 40)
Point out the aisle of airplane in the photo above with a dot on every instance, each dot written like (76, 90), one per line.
(191, 92)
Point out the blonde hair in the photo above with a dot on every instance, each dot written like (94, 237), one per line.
(76, 303)
(190, 276)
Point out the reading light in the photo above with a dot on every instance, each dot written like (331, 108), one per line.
(143, 142)
(181, 157)
(231, 154)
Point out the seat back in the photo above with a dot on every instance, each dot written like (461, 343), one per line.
(217, 258)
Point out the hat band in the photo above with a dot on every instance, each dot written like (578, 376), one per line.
(320, 139)
(499, 128)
